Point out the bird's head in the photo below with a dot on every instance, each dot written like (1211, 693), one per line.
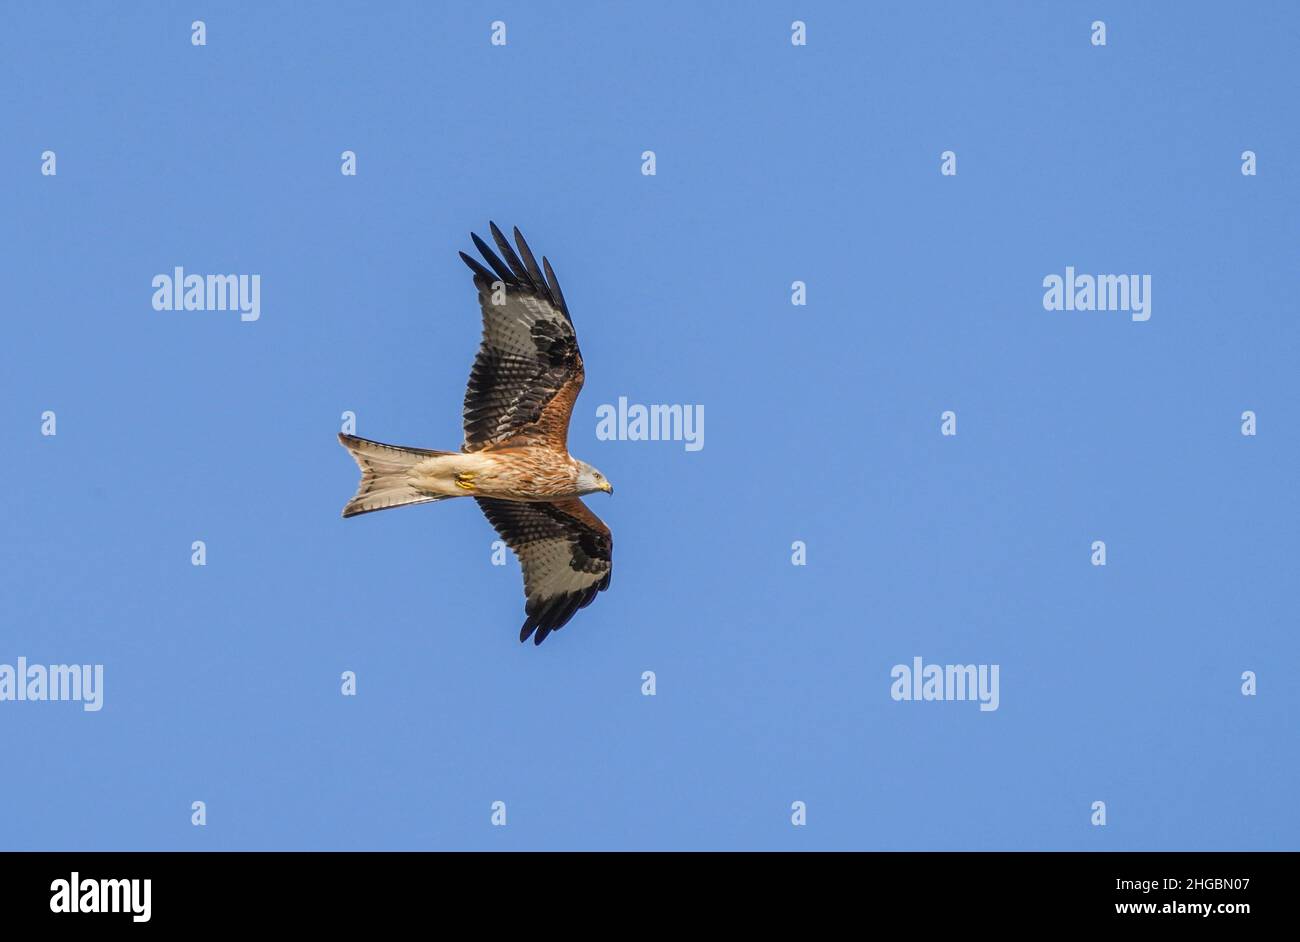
(590, 480)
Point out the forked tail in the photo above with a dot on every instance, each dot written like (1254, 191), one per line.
(385, 480)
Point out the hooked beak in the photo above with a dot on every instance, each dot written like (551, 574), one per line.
(607, 488)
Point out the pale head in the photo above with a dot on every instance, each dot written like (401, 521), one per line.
(590, 480)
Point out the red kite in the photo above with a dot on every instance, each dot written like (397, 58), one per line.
(515, 461)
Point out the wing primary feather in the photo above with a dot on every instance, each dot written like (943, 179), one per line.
(556, 293)
(533, 271)
(476, 267)
(498, 266)
(562, 618)
(532, 530)
(516, 266)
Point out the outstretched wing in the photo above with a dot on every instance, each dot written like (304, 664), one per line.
(528, 370)
(566, 552)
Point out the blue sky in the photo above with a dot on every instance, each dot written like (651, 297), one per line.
(774, 163)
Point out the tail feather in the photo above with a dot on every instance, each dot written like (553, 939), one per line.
(384, 479)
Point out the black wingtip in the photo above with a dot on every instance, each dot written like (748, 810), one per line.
(517, 267)
(556, 293)
(498, 266)
(477, 267)
(530, 266)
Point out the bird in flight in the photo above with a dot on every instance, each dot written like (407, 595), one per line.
(515, 461)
